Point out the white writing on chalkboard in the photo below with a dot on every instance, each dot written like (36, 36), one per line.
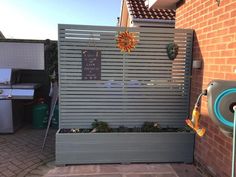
(91, 65)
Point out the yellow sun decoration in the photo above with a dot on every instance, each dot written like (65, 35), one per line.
(126, 41)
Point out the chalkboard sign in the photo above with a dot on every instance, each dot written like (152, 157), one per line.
(91, 65)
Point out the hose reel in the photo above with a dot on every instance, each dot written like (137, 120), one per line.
(221, 97)
(221, 103)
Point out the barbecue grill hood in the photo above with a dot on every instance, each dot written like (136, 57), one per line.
(13, 93)
(11, 88)
(5, 75)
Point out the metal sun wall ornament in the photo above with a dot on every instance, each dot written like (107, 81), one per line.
(172, 50)
(126, 41)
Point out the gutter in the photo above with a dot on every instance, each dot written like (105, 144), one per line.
(138, 20)
(25, 40)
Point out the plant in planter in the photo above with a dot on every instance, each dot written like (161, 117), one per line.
(186, 128)
(148, 143)
(150, 127)
(103, 127)
(100, 126)
(123, 128)
(75, 130)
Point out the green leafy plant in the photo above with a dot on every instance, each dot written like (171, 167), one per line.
(123, 129)
(150, 127)
(137, 129)
(51, 59)
(100, 126)
(75, 130)
(185, 129)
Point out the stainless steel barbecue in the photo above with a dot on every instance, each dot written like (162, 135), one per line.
(12, 92)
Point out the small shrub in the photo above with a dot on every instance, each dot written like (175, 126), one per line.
(137, 129)
(150, 127)
(100, 126)
(123, 129)
(75, 130)
(186, 128)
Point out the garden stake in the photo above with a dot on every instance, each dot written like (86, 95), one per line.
(53, 104)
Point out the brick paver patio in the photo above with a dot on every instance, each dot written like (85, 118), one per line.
(21, 156)
(20, 152)
(131, 170)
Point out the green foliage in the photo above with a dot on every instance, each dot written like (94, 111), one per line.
(150, 127)
(123, 129)
(100, 126)
(186, 128)
(75, 130)
(51, 59)
(137, 129)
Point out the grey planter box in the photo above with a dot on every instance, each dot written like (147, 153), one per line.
(90, 148)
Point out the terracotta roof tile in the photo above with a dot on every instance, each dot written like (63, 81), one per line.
(138, 9)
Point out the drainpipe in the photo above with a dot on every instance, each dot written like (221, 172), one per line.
(121, 11)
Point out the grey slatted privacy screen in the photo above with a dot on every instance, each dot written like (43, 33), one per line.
(143, 85)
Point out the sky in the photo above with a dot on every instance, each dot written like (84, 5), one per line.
(38, 19)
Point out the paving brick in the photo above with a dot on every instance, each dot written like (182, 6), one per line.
(44, 168)
(97, 175)
(19, 151)
(151, 175)
(16, 162)
(8, 173)
(33, 175)
(108, 169)
(51, 164)
(160, 168)
(76, 169)
(2, 175)
(168, 175)
(134, 168)
(13, 167)
(39, 172)
(184, 170)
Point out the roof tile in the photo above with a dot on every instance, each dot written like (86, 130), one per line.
(138, 9)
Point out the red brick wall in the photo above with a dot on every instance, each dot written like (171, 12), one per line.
(215, 44)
